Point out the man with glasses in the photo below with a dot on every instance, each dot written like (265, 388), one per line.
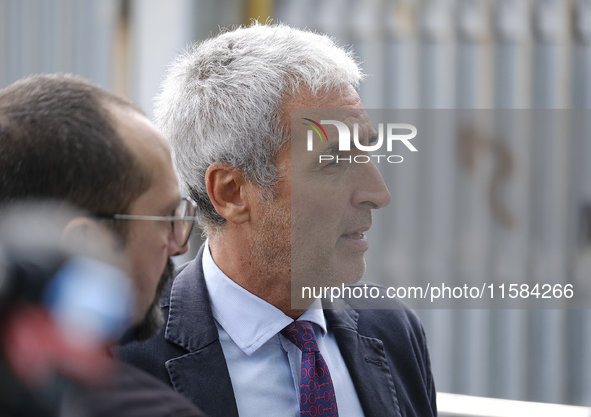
(65, 139)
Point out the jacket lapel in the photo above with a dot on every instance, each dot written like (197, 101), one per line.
(201, 374)
(366, 362)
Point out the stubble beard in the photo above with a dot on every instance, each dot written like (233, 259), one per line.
(154, 319)
(271, 248)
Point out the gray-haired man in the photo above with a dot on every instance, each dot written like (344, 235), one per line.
(234, 344)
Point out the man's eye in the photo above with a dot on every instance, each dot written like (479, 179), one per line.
(340, 160)
(329, 163)
(332, 164)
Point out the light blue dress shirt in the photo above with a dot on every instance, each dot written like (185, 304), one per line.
(264, 366)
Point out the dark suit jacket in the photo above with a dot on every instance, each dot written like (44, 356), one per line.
(385, 352)
(134, 393)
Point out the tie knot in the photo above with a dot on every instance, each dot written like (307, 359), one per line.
(301, 334)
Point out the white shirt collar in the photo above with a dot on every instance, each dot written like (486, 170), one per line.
(249, 320)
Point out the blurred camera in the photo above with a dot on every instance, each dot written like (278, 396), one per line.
(81, 282)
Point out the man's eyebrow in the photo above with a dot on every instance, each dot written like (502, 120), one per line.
(333, 148)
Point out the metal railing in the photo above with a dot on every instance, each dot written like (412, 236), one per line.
(455, 405)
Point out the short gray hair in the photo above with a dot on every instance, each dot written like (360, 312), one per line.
(221, 101)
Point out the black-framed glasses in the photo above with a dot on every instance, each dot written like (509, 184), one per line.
(182, 222)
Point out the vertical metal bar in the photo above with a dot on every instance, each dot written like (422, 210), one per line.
(81, 26)
(32, 51)
(67, 35)
(473, 218)
(580, 330)
(105, 30)
(581, 87)
(58, 47)
(368, 31)
(15, 40)
(474, 326)
(472, 231)
(549, 53)
(435, 226)
(402, 179)
(3, 42)
(509, 251)
(549, 200)
(471, 32)
(512, 76)
(298, 14)
(549, 203)
(334, 18)
(401, 62)
(154, 49)
(578, 384)
(46, 37)
(436, 57)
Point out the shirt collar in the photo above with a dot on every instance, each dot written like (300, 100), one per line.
(249, 320)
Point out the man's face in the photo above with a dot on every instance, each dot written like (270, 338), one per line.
(330, 204)
(149, 244)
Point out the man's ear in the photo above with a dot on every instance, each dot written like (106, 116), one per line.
(228, 192)
(91, 238)
(82, 228)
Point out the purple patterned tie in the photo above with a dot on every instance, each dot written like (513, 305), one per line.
(316, 389)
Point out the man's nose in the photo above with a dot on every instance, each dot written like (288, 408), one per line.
(371, 191)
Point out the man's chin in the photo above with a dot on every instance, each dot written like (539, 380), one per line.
(154, 319)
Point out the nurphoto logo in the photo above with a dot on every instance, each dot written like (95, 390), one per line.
(345, 142)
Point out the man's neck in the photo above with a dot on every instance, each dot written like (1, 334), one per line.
(273, 286)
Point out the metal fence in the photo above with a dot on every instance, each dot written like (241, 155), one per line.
(454, 405)
(57, 36)
(505, 54)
